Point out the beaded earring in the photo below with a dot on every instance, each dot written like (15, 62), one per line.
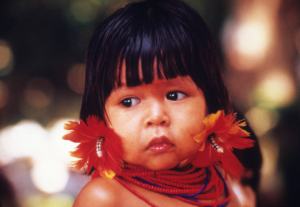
(99, 147)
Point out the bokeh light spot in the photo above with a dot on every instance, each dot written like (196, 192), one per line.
(261, 120)
(3, 94)
(83, 12)
(76, 77)
(26, 139)
(38, 92)
(277, 89)
(252, 39)
(6, 156)
(271, 180)
(249, 35)
(58, 200)
(6, 57)
(49, 174)
(60, 146)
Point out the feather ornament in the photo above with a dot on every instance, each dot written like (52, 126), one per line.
(221, 135)
(108, 161)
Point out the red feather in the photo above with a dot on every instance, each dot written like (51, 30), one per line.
(227, 134)
(87, 136)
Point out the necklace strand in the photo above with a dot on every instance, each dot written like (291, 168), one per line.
(188, 186)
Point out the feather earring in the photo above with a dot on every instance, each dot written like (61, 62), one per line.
(221, 135)
(99, 147)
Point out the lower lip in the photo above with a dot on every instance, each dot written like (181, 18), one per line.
(160, 148)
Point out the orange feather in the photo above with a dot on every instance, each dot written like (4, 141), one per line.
(227, 134)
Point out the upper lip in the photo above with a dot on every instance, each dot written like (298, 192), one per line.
(158, 140)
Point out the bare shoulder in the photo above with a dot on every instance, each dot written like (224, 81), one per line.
(241, 195)
(99, 192)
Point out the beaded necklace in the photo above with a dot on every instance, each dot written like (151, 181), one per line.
(189, 186)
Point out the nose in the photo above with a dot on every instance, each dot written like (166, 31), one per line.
(157, 115)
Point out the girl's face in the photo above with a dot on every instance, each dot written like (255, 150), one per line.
(157, 121)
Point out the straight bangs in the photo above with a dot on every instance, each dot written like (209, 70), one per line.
(156, 41)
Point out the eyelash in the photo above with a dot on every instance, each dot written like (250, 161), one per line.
(173, 96)
(127, 102)
(179, 95)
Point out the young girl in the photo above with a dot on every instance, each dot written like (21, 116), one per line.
(153, 129)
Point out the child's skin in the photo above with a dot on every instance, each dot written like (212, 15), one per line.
(156, 123)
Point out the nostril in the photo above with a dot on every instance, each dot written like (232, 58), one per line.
(163, 122)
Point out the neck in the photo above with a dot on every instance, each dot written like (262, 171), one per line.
(182, 169)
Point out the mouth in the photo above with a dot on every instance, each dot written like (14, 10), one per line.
(159, 145)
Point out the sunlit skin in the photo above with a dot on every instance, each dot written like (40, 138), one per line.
(157, 121)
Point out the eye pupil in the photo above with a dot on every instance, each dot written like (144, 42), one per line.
(127, 102)
(172, 96)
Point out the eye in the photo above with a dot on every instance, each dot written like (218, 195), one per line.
(175, 95)
(129, 102)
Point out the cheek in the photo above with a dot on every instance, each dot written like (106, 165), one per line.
(127, 128)
(192, 121)
(186, 144)
(197, 117)
(128, 131)
(188, 127)
(188, 147)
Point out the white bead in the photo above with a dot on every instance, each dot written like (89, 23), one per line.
(98, 147)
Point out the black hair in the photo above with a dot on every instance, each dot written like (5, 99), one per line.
(167, 33)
